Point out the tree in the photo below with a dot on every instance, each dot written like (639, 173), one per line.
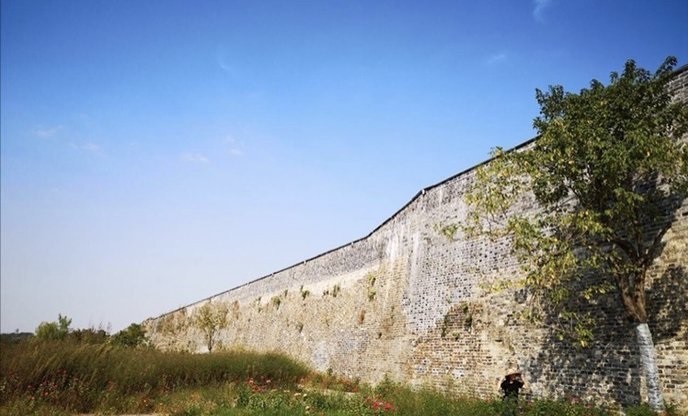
(608, 171)
(54, 330)
(210, 319)
(89, 336)
(132, 336)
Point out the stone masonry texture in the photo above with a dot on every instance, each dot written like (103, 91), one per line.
(410, 301)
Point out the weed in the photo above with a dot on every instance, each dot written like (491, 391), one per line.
(304, 293)
(371, 286)
(276, 301)
(361, 316)
(448, 231)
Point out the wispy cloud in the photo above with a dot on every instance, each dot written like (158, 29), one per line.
(89, 147)
(223, 61)
(234, 147)
(46, 132)
(68, 140)
(539, 9)
(194, 158)
(496, 59)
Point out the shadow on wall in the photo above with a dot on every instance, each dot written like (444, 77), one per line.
(611, 366)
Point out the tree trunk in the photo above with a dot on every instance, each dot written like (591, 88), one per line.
(648, 364)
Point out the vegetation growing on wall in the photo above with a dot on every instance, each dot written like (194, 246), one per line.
(448, 231)
(276, 301)
(173, 323)
(210, 319)
(371, 278)
(304, 292)
(361, 316)
(334, 291)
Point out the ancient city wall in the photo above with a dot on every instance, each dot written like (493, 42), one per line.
(412, 301)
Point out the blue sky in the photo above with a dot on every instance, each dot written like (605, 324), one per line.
(155, 153)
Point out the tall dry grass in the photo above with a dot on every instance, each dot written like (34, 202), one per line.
(82, 377)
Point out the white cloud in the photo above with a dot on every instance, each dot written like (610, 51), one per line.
(496, 58)
(234, 146)
(194, 158)
(538, 10)
(87, 147)
(90, 147)
(47, 132)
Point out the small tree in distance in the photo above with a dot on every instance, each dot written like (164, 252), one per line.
(54, 330)
(608, 172)
(210, 319)
(132, 336)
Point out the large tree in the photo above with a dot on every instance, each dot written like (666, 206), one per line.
(608, 170)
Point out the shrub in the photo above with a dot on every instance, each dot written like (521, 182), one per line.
(132, 336)
(54, 330)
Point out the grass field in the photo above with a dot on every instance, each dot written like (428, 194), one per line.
(66, 378)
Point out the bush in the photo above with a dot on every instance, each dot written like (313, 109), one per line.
(57, 330)
(132, 336)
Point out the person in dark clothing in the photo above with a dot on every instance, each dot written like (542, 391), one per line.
(510, 386)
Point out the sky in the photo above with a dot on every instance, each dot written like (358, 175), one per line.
(155, 153)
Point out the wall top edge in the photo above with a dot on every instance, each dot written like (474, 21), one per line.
(385, 222)
(680, 70)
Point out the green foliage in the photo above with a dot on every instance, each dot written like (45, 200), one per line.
(304, 293)
(210, 319)
(608, 171)
(88, 336)
(15, 337)
(336, 289)
(54, 330)
(645, 410)
(448, 231)
(276, 301)
(132, 336)
(560, 408)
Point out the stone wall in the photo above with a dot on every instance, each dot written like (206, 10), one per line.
(410, 301)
